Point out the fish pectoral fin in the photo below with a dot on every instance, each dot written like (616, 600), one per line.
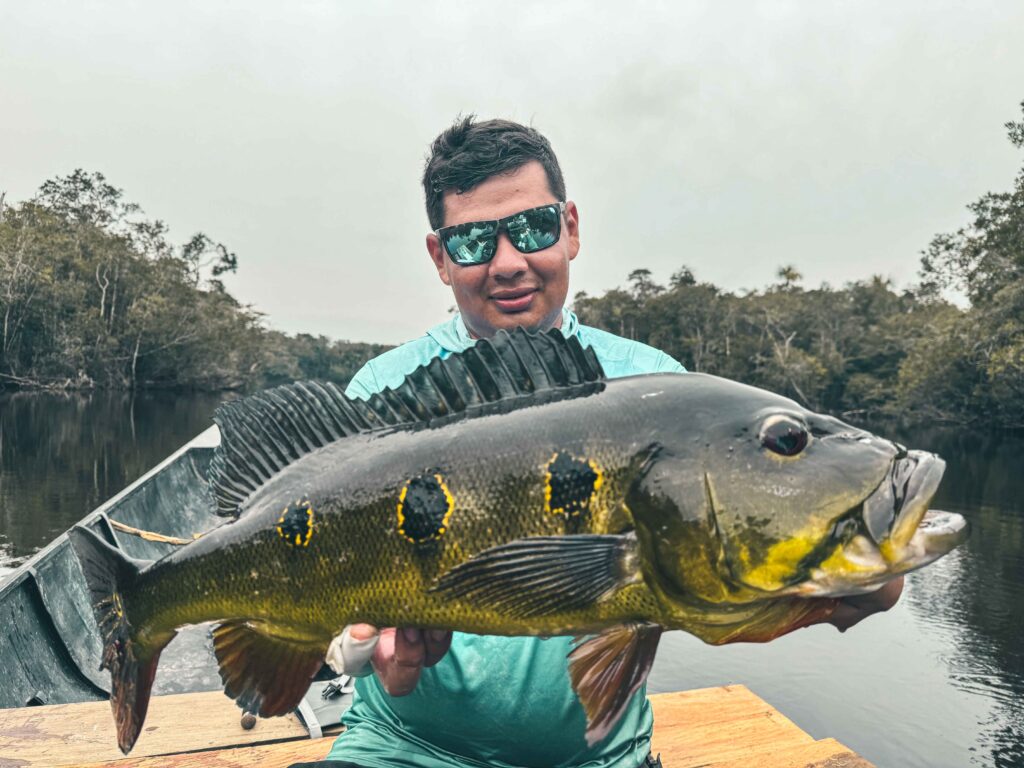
(606, 670)
(543, 575)
(265, 674)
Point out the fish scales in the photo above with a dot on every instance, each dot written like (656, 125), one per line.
(513, 490)
(364, 570)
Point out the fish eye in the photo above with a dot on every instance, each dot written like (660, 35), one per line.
(784, 435)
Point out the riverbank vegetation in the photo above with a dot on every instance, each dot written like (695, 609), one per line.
(93, 294)
(865, 349)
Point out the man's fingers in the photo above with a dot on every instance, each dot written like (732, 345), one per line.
(395, 661)
(361, 632)
(410, 650)
(437, 642)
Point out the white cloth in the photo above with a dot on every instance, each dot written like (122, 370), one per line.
(348, 656)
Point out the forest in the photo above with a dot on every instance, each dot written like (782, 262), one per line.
(866, 349)
(93, 294)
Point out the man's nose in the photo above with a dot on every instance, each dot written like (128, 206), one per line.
(507, 262)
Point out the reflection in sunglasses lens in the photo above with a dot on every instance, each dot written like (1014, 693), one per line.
(471, 244)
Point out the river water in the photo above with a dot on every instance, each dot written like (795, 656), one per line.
(937, 682)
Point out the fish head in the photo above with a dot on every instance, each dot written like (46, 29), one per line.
(775, 500)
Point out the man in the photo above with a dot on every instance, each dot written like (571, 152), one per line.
(439, 701)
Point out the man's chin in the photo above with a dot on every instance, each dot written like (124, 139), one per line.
(509, 321)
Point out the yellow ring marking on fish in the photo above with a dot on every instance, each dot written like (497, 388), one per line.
(301, 529)
(445, 518)
(585, 503)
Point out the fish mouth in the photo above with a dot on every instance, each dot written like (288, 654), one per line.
(891, 532)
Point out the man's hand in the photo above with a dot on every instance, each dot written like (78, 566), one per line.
(853, 609)
(398, 657)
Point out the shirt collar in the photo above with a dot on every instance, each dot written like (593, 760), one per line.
(453, 336)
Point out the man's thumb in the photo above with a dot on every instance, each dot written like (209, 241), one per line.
(350, 652)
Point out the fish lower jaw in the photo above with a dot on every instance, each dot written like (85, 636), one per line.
(861, 567)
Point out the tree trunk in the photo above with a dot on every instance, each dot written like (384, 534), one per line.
(135, 357)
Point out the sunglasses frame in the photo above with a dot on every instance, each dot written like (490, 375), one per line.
(501, 225)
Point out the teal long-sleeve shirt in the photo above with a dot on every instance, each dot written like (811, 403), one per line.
(501, 702)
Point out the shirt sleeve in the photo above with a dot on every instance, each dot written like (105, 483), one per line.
(666, 364)
(364, 384)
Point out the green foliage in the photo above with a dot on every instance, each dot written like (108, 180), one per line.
(865, 348)
(93, 294)
(837, 350)
(985, 260)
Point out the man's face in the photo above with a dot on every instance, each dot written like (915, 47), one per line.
(513, 288)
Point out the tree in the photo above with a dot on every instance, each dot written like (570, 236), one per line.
(985, 259)
(789, 275)
(643, 285)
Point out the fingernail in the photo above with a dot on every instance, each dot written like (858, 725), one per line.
(411, 634)
(437, 635)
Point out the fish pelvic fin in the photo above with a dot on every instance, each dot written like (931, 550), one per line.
(264, 433)
(608, 669)
(111, 577)
(264, 673)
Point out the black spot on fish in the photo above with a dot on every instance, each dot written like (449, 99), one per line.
(424, 508)
(570, 484)
(295, 525)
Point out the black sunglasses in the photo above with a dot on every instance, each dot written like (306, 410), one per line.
(476, 242)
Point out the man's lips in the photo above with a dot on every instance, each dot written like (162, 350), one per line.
(514, 301)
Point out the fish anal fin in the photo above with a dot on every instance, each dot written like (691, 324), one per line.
(543, 575)
(606, 670)
(265, 674)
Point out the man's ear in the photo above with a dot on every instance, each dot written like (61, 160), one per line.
(437, 255)
(572, 228)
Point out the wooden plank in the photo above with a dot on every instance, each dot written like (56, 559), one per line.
(278, 755)
(827, 753)
(71, 734)
(698, 727)
(726, 727)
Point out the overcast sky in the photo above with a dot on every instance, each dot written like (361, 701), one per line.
(729, 137)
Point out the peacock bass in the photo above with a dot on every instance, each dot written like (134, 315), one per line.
(512, 489)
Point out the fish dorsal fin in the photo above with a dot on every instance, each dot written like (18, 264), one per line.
(264, 433)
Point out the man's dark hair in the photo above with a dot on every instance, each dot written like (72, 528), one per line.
(469, 153)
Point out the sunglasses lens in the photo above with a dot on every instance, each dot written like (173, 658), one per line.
(536, 229)
(472, 243)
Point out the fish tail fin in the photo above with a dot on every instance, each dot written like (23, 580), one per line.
(111, 576)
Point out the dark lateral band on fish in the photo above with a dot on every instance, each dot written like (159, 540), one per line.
(513, 489)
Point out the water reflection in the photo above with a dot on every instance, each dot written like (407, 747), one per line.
(61, 455)
(979, 596)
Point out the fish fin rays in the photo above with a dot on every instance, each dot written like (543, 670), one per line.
(607, 670)
(110, 577)
(542, 575)
(264, 433)
(264, 674)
